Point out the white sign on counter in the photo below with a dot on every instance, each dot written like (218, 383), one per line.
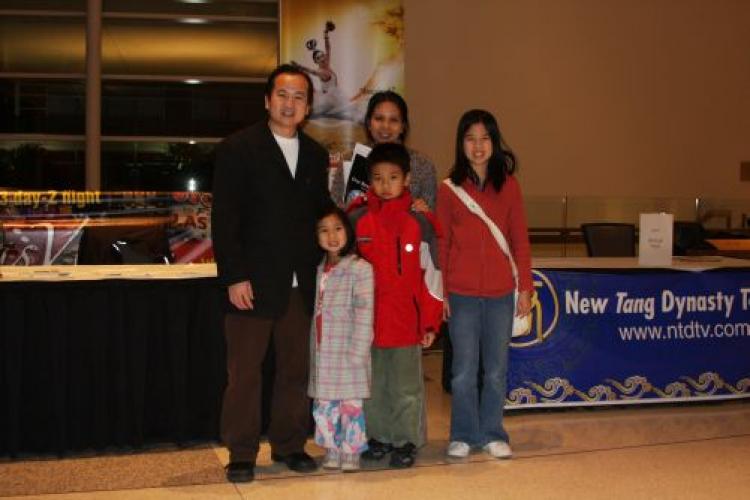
(655, 239)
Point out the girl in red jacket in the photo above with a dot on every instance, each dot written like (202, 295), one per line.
(479, 281)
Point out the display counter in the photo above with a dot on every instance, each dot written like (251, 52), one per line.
(114, 356)
(96, 357)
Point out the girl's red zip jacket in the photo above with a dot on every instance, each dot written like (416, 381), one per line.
(472, 262)
(401, 245)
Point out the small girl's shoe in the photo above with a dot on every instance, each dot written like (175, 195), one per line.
(349, 462)
(332, 459)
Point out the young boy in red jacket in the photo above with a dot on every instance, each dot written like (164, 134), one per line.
(401, 245)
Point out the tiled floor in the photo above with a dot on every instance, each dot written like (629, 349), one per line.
(655, 452)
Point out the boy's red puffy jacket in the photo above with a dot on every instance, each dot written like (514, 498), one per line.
(401, 246)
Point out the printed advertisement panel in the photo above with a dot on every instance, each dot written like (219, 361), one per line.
(103, 227)
(634, 337)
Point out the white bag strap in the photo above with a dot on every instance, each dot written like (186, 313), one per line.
(474, 208)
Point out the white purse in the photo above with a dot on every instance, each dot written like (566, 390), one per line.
(521, 324)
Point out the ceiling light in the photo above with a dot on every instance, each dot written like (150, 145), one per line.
(193, 20)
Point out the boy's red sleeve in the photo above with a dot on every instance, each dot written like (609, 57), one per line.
(431, 300)
(431, 308)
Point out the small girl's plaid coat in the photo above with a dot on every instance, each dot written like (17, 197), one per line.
(340, 366)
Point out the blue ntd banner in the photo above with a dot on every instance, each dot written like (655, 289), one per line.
(655, 336)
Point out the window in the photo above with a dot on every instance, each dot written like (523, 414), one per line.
(176, 77)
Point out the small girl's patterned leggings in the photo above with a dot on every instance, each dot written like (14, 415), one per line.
(340, 424)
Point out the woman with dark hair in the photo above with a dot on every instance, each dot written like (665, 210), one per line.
(387, 120)
(479, 280)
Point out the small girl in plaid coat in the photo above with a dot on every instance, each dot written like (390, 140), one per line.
(340, 341)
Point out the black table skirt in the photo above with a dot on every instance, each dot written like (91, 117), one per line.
(102, 364)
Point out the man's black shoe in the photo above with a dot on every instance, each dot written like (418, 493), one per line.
(240, 472)
(298, 462)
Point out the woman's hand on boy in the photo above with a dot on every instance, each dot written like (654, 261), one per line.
(419, 205)
(428, 339)
(241, 295)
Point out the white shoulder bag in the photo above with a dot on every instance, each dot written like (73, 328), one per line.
(521, 324)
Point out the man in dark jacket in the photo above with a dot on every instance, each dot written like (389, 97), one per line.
(270, 182)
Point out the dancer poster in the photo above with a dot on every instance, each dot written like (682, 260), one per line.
(351, 49)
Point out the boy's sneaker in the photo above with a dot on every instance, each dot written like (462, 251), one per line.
(403, 456)
(376, 450)
(332, 459)
(349, 462)
(498, 449)
(458, 449)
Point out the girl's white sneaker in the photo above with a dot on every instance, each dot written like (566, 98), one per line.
(349, 462)
(498, 449)
(458, 449)
(332, 459)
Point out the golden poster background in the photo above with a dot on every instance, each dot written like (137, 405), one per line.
(366, 55)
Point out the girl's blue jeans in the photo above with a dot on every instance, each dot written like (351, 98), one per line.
(479, 326)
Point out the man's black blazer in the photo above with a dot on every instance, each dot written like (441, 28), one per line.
(263, 219)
